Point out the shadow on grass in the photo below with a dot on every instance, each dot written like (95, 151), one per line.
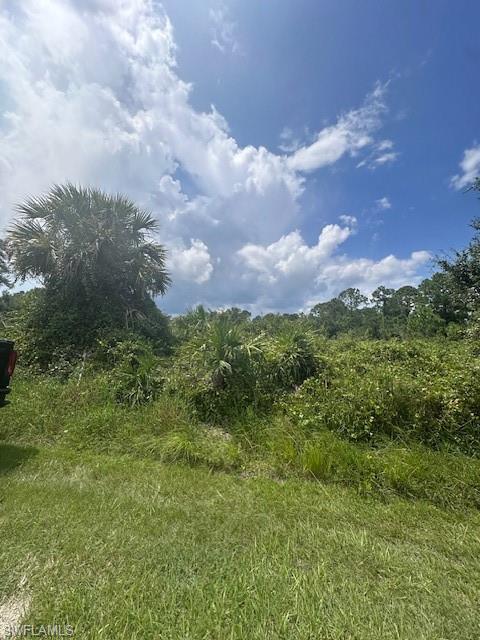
(12, 456)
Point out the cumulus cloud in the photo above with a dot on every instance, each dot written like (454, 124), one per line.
(299, 275)
(290, 255)
(192, 264)
(383, 203)
(469, 167)
(91, 94)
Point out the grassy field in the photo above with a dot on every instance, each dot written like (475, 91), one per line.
(126, 548)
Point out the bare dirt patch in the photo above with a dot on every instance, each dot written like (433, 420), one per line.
(12, 612)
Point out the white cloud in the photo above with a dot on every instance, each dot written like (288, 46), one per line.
(192, 264)
(383, 203)
(470, 168)
(368, 274)
(383, 153)
(288, 141)
(349, 221)
(352, 132)
(91, 94)
(384, 145)
(223, 31)
(290, 255)
(385, 158)
(299, 275)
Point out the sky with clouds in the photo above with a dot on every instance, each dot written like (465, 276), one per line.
(288, 149)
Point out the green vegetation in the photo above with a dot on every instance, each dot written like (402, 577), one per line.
(4, 280)
(99, 265)
(331, 458)
(385, 418)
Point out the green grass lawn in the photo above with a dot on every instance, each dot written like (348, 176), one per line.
(128, 548)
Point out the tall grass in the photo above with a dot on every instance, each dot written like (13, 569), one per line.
(85, 415)
(386, 417)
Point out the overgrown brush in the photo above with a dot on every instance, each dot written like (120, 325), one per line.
(225, 370)
(83, 414)
(136, 376)
(425, 392)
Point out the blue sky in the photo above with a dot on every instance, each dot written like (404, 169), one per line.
(305, 62)
(289, 149)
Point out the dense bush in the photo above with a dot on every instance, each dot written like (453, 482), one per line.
(47, 331)
(216, 369)
(136, 376)
(423, 391)
(290, 358)
(370, 391)
(224, 369)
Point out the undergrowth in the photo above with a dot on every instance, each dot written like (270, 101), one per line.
(84, 414)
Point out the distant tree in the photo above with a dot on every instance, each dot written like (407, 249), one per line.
(330, 316)
(403, 301)
(275, 323)
(367, 323)
(464, 267)
(380, 298)
(425, 322)
(442, 295)
(236, 315)
(97, 258)
(352, 298)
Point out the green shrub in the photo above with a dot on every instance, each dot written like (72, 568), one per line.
(404, 391)
(224, 370)
(82, 414)
(209, 447)
(217, 370)
(137, 375)
(291, 358)
(53, 335)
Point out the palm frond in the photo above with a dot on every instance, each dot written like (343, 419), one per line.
(82, 235)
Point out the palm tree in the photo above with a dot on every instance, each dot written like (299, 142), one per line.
(4, 280)
(224, 351)
(99, 263)
(86, 242)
